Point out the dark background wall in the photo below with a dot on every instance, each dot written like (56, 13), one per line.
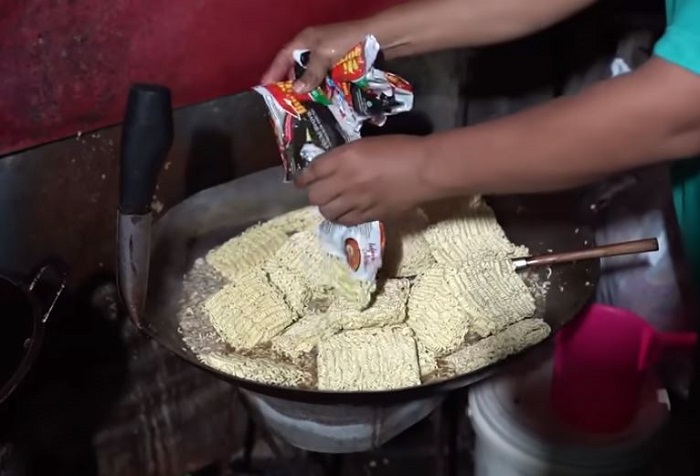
(64, 64)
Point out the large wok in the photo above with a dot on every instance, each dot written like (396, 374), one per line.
(151, 272)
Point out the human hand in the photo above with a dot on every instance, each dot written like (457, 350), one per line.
(327, 44)
(369, 179)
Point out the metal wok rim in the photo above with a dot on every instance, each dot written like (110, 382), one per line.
(370, 397)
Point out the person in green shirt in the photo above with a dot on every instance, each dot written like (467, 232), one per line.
(680, 46)
(649, 116)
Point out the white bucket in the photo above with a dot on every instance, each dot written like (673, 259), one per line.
(517, 434)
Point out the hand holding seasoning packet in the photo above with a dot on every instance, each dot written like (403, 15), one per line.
(307, 125)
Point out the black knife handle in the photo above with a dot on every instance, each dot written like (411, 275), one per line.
(147, 135)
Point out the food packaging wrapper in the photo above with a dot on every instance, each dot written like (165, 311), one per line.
(306, 125)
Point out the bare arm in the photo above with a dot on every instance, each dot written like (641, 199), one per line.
(429, 25)
(420, 26)
(638, 119)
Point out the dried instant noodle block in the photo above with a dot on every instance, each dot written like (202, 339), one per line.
(368, 359)
(249, 311)
(302, 254)
(511, 340)
(301, 270)
(493, 294)
(257, 369)
(246, 251)
(303, 336)
(472, 233)
(259, 242)
(435, 314)
(293, 287)
(355, 293)
(388, 308)
(407, 253)
(295, 221)
(447, 304)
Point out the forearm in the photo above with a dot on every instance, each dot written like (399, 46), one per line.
(631, 121)
(421, 26)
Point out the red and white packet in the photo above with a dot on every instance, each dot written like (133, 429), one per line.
(307, 125)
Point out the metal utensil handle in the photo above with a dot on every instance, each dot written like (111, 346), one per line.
(147, 135)
(617, 249)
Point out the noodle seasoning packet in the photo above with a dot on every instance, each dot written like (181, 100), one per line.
(306, 125)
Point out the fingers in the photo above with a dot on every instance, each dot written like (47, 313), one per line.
(321, 168)
(316, 70)
(323, 192)
(352, 218)
(345, 213)
(291, 75)
(282, 68)
(279, 68)
(335, 205)
(325, 188)
(336, 209)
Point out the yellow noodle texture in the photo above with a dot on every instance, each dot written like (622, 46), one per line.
(257, 369)
(448, 301)
(492, 349)
(447, 304)
(368, 359)
(248, 311)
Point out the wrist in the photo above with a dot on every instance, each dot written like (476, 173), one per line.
(388, 31)
(433, 173)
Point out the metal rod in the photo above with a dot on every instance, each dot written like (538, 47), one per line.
(617, 249)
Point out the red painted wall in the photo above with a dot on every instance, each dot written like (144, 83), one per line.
(65, 65)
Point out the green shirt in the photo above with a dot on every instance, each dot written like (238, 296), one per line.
(680, 45)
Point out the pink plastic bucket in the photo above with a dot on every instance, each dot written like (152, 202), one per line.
(601, 361)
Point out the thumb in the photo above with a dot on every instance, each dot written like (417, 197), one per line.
(316, 70)
(278, 68)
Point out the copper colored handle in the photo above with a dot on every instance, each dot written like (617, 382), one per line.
(618, 249)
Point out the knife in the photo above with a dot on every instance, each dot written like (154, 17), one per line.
(147, 136)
